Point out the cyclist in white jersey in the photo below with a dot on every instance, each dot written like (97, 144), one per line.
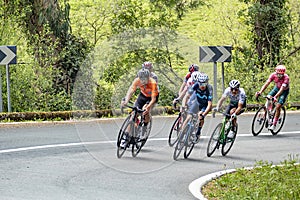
(236, 105)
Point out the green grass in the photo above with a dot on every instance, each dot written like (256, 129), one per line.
(264, 182)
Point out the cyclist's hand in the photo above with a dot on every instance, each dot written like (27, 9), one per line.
(147, 110)
(257, 94)
(274, 99)
(216, 109)
(183, 108)
(123, 102)
(175, 101)
(233, 116)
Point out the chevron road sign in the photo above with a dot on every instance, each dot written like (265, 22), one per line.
(8, 55)
(215, 53)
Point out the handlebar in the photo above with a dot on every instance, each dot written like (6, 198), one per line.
(214, 113)
(134, 108)
(266, 97)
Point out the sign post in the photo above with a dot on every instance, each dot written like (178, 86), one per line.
(216, 54)
(8, 55)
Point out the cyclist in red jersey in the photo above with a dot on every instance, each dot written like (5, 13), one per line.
(280, 91)
(192, 68)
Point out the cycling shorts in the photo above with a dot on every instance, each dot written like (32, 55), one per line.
(281, 100)
(142, 100)
(231, 105)
(195, 107)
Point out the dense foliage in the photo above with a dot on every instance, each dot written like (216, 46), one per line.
(84, 54)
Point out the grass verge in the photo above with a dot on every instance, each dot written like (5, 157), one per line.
(264, 182)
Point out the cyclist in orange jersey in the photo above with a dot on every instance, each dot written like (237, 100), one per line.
(148, 93)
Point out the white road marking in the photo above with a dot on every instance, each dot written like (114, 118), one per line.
(106, 142)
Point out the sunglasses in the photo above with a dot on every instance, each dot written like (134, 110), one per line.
(234, 89)
(202, 84)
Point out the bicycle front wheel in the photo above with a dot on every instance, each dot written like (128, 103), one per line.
(175, 131)
(122, 136)
(226, 146)
(214, 140)
(179, 145)
(189, 144)
(259, 120)
(280, 121)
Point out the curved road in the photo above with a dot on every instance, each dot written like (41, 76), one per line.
(77, 160)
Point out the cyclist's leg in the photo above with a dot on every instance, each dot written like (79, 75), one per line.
(193, 108)
(201, 121)
(281, 101)
(271, 94)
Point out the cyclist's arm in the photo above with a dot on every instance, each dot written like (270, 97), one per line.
(185, 99)
(208, 108)
(181, 88)
(150, 105)
(130, 91)
(279, 92)
(239, 108)
(264, 87)
(220, 102)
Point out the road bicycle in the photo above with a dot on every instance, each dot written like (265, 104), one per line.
(186, 138)
(264, 117)
(219, 136)
(176, 127)
(132, 132)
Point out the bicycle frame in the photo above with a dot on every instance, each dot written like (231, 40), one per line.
(219, 136)
(184, 139)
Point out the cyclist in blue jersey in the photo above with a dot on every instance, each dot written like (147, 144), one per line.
(201, 102)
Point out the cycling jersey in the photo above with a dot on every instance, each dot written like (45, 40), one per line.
(203, 96)
(187, 76)
(148, 90)
(284, 81)
(240, 97)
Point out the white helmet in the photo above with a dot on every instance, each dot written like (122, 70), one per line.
(234, 84)
(195, 76)
(203, 78)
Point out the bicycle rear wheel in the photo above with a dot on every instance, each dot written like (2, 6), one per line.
(122, 135)
(214, 140)
(280, 122)
(175, 131)
(189, 144)
(259, 120)
(179, 145)
(226, 146)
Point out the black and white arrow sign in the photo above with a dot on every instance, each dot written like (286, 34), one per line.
(215, 53)
(8, 55)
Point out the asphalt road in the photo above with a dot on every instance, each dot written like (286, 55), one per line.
(77, 160)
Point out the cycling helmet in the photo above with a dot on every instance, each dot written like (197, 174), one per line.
(195, 76)
(147, 65)
(144, 74)
(193, 67)
(234, 84)
(203, 78)
(280, 69)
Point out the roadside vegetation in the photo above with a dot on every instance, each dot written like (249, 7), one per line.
(263, 182)
(81, 55)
